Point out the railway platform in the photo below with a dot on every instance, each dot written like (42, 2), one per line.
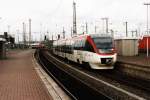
(20, 80)
(140, 60)
(135, 66)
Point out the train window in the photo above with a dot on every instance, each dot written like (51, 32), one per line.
(71, 50)
(83, 43)
(88, 47)
(78, 44)
(103, 42)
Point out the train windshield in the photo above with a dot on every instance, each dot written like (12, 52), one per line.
(103, 42)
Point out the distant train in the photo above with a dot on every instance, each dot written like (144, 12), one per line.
(37, 45)
(95, 50)
(143, 44)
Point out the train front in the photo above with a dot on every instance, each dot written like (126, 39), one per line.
(105, 55)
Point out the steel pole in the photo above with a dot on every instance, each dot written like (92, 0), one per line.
(147, 4)
(147, 33)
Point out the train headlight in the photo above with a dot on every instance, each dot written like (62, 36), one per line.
(113, 50)
(108, 61)
(107, 51)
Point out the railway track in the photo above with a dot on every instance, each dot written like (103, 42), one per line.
(119, 77)
(94, 80)
(134, 85)
(134, 70)
(76, 89)
(44, 65)
(128, 80)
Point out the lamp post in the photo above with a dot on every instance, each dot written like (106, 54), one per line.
(147, 4)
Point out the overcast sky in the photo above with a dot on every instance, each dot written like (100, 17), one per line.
(52, 15)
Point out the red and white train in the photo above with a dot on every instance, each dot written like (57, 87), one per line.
(95, 50)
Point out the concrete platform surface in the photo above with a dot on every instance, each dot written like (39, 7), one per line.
(141, 60)
(19, 80)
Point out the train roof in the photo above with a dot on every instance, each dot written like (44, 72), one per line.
(93, 35)
(100, 35)
(84, 36)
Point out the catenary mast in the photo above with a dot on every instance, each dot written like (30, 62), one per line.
(74, 19)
